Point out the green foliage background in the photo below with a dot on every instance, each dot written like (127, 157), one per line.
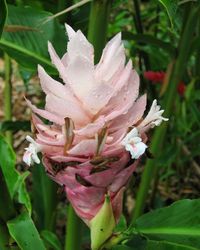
(158, 35)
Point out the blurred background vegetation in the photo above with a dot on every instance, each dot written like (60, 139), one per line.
(163, 40)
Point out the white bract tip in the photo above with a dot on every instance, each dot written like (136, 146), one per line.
(133, 143)
(154, 117)
(30, 155)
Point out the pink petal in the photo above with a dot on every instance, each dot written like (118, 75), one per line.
(64, 109)
(91, 128)
(124, 76)
(134, 114)
(86, 198)
(121, 103)
(112, 60)
(70, 32)
(117, 203)
(122, 177)
(98, 97)
(62, 158)
(57, 62)
(105, 178)
(51, 86)
(78, 45)
(45, 114)
(85, 148)
(51, 141)
(80, 75)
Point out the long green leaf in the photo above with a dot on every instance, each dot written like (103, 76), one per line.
(51, 240)
(44, 196)
(15, 126)
(7, 210)
(178, 223)
(14, 181)
(24, 232)
(152, 245)
(25, 37)
(149, 40)
(163, 245)
(3, 15)
(7, 163)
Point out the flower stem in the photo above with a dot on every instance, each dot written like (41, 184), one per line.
(74, 226)
(8, 96)
(179, 64)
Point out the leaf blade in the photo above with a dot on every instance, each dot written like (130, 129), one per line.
(178, 223)
(24, 232)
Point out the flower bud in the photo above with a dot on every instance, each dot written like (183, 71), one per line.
(102, 224)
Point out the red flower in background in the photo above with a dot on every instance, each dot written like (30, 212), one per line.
(181, 88)
(154, 76)
(158, 77)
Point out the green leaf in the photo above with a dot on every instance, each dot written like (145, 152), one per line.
(171, 7)
(7, 210)
(51, 240)
(122, 225)
(24, 232)
(45, 198)
(7, 162)
(121, 247)
(152, 245)
(15, 126)
(14, 181)
(161, 245)
(25, 37)
(178, 223)
(4, 237)
(21, 192)
(149, 40)
(3, 15)
(138, 242)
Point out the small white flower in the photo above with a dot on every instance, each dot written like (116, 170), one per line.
(133, 143)
(30, 155)
(154, 117)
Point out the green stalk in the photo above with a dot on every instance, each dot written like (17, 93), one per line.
(151, 167)
(8, 96)
(74, 226)
(97, 33)
(139, 29)
(98, 24)
(45, 200)
(137, 16)
(143, 57)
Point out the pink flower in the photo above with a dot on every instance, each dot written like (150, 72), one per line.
(96, 124)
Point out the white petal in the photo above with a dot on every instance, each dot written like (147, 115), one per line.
(133, 143)
(153, 118)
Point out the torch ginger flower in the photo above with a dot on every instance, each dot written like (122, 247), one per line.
(89, 145)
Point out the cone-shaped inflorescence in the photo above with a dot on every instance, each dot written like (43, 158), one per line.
(97, 132)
